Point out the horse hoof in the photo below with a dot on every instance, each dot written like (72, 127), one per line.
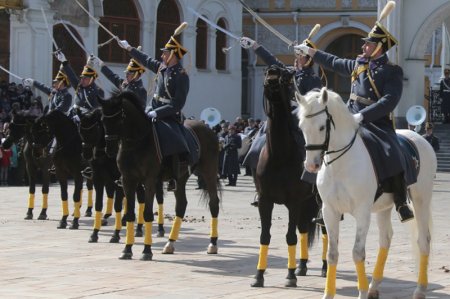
(160, 233)
(212, 249)
(301, 271)
(169, 248)
(146, 257)
(374, 294)
(139, 233)
(93, 238)
(29, 216)
(291, 283)
(75, 224)
(324, 273)
(114, 239)
(42, 216)
(126, 256)
(106, 216)
(104, 222)
(62, 224)
(258, 283)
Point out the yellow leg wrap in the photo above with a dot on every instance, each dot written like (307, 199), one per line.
(31, 201)
(130, 233)
(262, 261)
(363, 283)
(330, 286)
(44, 201)
(141, 213)
(98, 220)
(214, 233)
(90, 196)
(124, 207)
(304, 246)
(118, 223)
(381, 262)
(76, 212)
(148, 233)
(175, 228)
(423, 269)
(109, 205)
(160, 213)
(324, 247)
(291, 257)
(65, 208)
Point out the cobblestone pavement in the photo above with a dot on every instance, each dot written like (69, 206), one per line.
(39, 261)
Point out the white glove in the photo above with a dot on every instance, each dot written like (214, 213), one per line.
(28, 82)
(302, 49)
(124, 44)
(91, 61)
(60, 56)
(358, 117)
(151, 114)
(246, 42)
(76, 118)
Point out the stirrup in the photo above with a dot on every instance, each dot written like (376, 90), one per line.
(87, 173)
(52, 170)
(119, 182)
(172, 185)
(405, 214)
(318, 221)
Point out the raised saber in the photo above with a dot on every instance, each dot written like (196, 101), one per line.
(214, 25)
(12, 74)
(76, 39)
(96, 21)
(267, 25)
(48, 29)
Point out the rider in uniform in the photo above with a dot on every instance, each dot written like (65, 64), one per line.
(376, 88)
(59, 97)
(172, 87)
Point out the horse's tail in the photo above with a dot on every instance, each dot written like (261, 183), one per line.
(310, 208)
(205, 197)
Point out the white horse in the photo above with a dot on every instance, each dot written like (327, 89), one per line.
(347, 184)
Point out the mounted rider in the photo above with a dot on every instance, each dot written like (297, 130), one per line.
(59, 97)
(172, 87)
(376, 89)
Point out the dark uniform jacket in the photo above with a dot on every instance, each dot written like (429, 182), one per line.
(231, 159)
(433, 140)
(444, 93)
(60, 100)
(85, 97)
(377, 128)
(172, 87)
(135, 86)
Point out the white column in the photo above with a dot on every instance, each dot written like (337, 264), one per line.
(444, 49)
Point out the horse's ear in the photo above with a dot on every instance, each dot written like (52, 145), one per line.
(300, 99)
(323, 96)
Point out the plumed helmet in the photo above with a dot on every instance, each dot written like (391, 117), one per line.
(61, 76)
(134, 66)
(379, 34)
(174, 45)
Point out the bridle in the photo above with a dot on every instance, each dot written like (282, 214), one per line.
(113, 137)
(324, 146)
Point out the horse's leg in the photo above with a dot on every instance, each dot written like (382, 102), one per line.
(118, 202)
(332, 219)
(291, 240)
(65, 205)
(421, 199)
(110, 190)
(180, 210)
(211, 182)
(98, 185)
(78, 185)
(140, 194)
(362, 217)
(90, 191)
(31, 170)
(160, 200)
(265, 209)
(385, 236)
(147, 254)
(324, 251)
(45, 190)
(129, 188)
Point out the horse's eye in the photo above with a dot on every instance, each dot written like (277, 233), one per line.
(322, 128)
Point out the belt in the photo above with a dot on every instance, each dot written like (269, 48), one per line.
(362, 100)
(161, 99)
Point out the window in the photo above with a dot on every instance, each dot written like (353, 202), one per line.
(121, 18)
(74, 53)
(168, 21)
(221, 43)
(201, 45)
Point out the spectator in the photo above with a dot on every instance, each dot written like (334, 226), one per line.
(4, 164)
(433, 140)
(230, 167)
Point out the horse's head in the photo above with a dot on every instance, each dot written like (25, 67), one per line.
(112, 118)
(91, 132)
(42, 135)
(278, 86)
(17, 128)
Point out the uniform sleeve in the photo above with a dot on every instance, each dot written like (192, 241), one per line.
(73, 79)
(342, 66)
(268, 57)
(178, 99)
(65, 104)
(145, 60)
(42, 87)
(113, 77)
(391, 94)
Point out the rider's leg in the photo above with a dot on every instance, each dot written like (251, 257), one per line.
(172, 186)
(399, 189)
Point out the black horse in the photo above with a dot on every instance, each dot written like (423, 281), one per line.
(66, 157)
(139, 162)
(20, 127)
(278, 175)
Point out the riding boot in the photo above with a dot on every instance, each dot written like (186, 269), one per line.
(87, 173)
(399, 189)
(172, 186)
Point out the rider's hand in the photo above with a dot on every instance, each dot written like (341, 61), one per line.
(28, 82)
(246, 42)
(302, 49)
(151, 114)
(358, 117)
(60, 56)
(76, 118)
(124, 44)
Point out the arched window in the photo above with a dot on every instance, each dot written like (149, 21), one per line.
(221, 43)
(74, 53)
(4, 43)
(201, 45)
(168, 21)
(122, 19)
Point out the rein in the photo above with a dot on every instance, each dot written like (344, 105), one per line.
(324, 146)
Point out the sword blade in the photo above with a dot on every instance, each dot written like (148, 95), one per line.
(48, 29)
(75, 38)
(95, 20)
(214, 25)
(12, 74)
(267, 25)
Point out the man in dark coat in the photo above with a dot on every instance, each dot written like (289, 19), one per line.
(230, 167)
(376, 89)
(59, 96)
(172, 87)
(429, 136)
(444, 94)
